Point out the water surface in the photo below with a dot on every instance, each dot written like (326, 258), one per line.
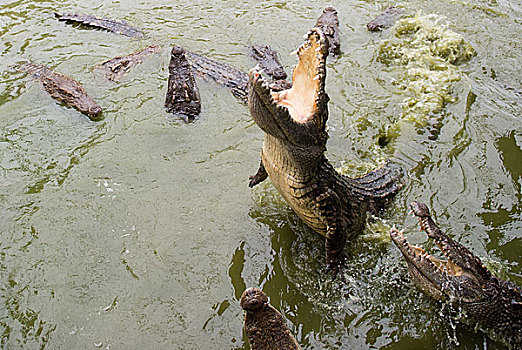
(140, 232)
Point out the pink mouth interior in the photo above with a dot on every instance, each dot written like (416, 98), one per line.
(300, 99)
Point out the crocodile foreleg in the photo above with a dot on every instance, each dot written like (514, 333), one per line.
(259, 177)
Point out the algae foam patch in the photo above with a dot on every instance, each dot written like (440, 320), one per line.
(427, 55)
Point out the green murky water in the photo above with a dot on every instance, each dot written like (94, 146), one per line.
(140, 232)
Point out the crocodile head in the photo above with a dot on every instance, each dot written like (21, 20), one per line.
(492, 304)
(461, 276)
(72, 94)
(296, 115)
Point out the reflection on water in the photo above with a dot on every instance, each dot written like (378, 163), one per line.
(140, 231)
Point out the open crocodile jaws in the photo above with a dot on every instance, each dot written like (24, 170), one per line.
(301, 98)
(294, 123)
(494, 305)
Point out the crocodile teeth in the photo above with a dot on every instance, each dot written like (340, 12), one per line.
(317, 77)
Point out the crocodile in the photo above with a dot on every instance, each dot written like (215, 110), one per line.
(485, 301)
(293, 154)
(116, 67)
(63, 89)
(182, 92)
(386, 19)
(264, 325)
(268, 61)
(112, 25)
(328, 22)
(229, 76)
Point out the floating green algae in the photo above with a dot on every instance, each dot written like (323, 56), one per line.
(428, 54)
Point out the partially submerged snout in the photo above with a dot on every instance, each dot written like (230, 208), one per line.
(253, 299)
(94, 111)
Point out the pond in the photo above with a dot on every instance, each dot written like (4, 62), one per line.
(139, 231)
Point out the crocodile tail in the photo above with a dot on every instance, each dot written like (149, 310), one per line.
(378, 186)
(32, 68)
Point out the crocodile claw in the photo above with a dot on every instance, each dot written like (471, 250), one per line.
(335, 265)
(259, 177)
(254, 180)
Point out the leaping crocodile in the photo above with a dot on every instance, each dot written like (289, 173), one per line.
(293, 154)
(236, 80)
(486, 301)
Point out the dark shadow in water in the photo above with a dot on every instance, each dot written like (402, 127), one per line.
(505, 223)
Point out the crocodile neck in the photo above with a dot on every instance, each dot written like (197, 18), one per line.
(301, 174)
(298, 164)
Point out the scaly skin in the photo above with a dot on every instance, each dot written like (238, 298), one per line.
(294, 123)
(229, 76)
(116, 67)
(112, 25)
(237, 80)
(224, 74)
(182, 92)
(385, 19)
(63, 89)
(486, 301)
(264, 325)
(328, 22)
(268, 61)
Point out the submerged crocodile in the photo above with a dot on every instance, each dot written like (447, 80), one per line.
(486, 301)
(116, 67)
(328, 22)
(385, 19)
(264, 325)
(268, 61)
(293, 154)
(229, 76)
(112, 25)
(182, 92)
(63, 89)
